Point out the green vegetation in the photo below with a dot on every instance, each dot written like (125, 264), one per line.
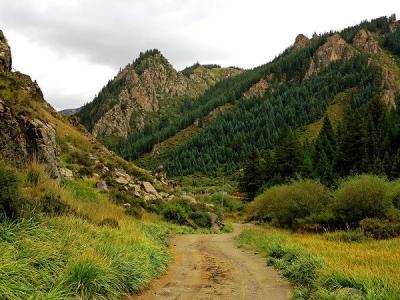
(363, 202)
(67, 241)
(392, 42)
(323, 268)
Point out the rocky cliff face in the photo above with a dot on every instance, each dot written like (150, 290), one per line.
(366, 42)
(24, 137)
(149, 84)
(5, 54)
(334, 49)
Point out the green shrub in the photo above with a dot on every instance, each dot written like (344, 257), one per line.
(348, 236)
(229, 203)
(361, 197)
(134, 211)
(10, 197)
(175, 213)
(380, 229)
(52, 204)
(394, 193)
(110, 222)
(286, 204)
(201, 218)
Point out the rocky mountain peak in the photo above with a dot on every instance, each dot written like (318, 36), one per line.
(364, 40)
(5, 54)
(300, 42)
(335, 48)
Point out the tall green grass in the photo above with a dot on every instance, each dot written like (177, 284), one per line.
(320, 267)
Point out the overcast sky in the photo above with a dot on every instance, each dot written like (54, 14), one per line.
(73, 47)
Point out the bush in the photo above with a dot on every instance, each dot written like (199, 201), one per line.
(380, 229)
(349, 236)
(287, 203)
(10, 197)
(361, 197)
(175, 213)
(230, 204)
(110, 222)
(201, 219)
(134, 211)
(394, 193)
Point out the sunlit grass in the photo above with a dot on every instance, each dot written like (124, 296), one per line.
(372, 266)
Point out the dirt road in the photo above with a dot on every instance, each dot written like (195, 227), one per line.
(212, 267)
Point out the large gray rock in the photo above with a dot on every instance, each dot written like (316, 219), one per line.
(102, 187)
(25, 139)
(5, 54)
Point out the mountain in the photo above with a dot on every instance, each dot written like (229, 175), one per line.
(69, 111)
(232, 118)
(145, 93)
(295, 90)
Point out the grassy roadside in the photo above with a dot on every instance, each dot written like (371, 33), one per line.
(322, 267)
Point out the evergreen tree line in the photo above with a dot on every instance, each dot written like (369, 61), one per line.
(257, 124)
(367, 140)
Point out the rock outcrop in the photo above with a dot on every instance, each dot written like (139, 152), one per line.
(364, 40)
(334, 49)
(5, 54)
(24, 140)
(393, 26)
(300, 42)
(257, 90)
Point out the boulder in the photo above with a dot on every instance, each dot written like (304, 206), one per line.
(25, 139)
(66, 173)
(149, 188)
(102, 187)
(5, 54)
(215, 221)
(352, 291)
(121, 180)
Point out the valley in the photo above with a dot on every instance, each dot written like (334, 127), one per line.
(277, 182)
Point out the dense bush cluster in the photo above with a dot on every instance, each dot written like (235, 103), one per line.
(182, 212)
(363, 202)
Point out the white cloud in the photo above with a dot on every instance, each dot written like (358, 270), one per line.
(73, 47)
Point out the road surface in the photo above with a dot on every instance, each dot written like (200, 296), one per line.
(210, 266)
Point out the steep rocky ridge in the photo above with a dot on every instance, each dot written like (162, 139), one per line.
(149, 85)
(5, 54)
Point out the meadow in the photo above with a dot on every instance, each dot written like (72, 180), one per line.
(329, 266)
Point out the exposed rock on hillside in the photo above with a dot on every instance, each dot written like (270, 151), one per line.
(24, 140)
(5, 54)
(393, 26)
(366, 42)
(300, 42)
(334, 49)
(257, 90)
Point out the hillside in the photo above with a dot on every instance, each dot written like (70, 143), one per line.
(284, 93)
(147, 93)
(77, 221)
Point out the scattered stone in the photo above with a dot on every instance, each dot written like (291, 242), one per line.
(121, 180)
(126, 205)
(191, 199)
(215, 224)
(102, 187)
(66, 173)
